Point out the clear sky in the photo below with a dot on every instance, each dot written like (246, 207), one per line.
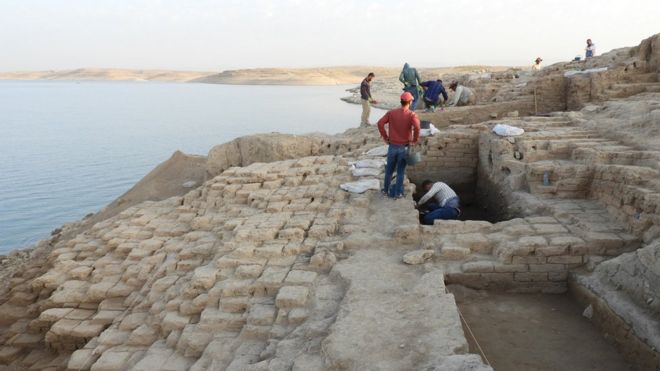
(215, 35)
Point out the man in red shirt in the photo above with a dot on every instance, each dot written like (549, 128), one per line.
(403, 130)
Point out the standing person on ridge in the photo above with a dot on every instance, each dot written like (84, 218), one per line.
(365, 95)
(590, 50)
(402, 131)
(411, 82)
(433, 89)
(537, 64)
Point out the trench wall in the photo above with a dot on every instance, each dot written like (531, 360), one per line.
(451, 157)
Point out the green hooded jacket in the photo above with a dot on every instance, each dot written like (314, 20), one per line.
(409, 76)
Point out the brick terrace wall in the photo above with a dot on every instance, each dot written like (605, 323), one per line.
(550, 93)
(450, 156)
(630, 203)
(533, 254)
(476, 114)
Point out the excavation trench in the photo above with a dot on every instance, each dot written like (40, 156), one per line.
(543, 332)
(511, 331)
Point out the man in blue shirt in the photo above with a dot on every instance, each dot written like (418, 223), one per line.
(433, 89)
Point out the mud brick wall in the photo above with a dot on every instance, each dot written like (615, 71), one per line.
(476, 114)
(619, 188)
(578, 91)
(450, 156)
(550, 93)
(533, 254)
(566, 180)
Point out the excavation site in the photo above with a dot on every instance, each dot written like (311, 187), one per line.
(270, 264)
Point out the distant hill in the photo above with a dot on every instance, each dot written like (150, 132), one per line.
(296, 76)
(103, 74)
(255, 76)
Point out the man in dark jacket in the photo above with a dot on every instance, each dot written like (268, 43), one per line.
(433, 90)
(365, 95)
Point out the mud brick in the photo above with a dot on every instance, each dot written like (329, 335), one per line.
(234, 305)
(475, 242)
(565, 259)
(558, 276)
(531, 276)
(478, 267)
(300, 277)
(504, 268)
(552, 250)
(453, 252)
(546, 267)
(292, 297)
(261, 314)
(249, 271)
(549, 228)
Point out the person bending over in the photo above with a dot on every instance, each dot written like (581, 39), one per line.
(438, 202)
(434, 89)
(463, 96)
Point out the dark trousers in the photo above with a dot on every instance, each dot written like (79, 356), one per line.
(447, 212)
(396, 160)
(429, 103)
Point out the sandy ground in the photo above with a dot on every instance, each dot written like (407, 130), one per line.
(105, 74)
(521, 332)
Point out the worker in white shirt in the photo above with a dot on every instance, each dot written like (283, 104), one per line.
(463, 95)
(537, 64)
(438, 202)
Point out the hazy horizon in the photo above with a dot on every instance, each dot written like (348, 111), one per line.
(219, 35)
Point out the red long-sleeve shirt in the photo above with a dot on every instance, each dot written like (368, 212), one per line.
(403, 125)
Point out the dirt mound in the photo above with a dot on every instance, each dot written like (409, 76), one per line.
(174, 177)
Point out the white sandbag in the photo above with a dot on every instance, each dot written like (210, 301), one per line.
(585, 72)
(361, 186)
(431, 131)
(378, 151)
(507, 130)
(365, 171)
(375, 163)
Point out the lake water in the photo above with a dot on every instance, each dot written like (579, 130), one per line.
(68, 149)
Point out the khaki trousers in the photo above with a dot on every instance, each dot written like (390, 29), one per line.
(366, 109)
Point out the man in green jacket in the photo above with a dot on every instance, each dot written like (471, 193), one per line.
(411, 82)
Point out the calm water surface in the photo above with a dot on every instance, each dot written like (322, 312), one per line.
(68, 149)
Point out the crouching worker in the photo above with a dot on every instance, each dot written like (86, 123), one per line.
(439, 202)
(463, 96)
(432, 99)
